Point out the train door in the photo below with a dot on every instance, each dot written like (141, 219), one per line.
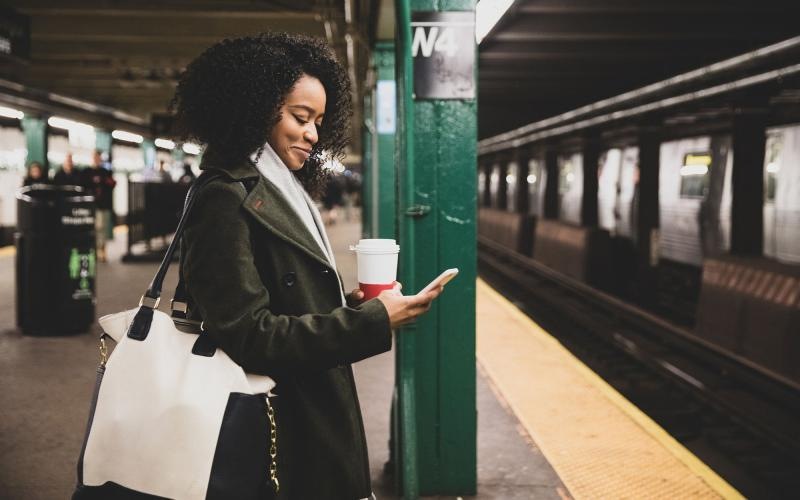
(494, 186)
(608, 175)
(694, 190)
(536, 184)
(512, 178)
(782, 194)
(628, 181)
(570, 187)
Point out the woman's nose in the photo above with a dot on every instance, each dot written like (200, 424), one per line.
(310, 134)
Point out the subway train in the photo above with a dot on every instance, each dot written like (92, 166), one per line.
(694, 194)
(748, 305)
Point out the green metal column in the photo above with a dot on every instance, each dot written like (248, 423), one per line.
(35, 130)
(177, 155)
(368, 166)
(149, 153)
(436, 168)
(385, 102)
(103, 141)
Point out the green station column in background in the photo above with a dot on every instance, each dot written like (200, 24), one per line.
(149, 153)
(35, 130)
(435, 413)
(103, 142)
(177, 156)
(379, 188)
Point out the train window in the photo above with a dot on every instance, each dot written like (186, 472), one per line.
(694, 175)
(494, 186)
(566, 175)
(535, 180)
(773, 166)
(512, 174)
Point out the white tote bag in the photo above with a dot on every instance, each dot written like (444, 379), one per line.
(172, 415)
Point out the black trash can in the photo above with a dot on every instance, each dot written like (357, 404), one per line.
(56, 262)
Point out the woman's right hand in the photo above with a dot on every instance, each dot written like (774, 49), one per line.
(405, 309)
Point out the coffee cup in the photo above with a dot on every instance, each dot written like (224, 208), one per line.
(377, 265)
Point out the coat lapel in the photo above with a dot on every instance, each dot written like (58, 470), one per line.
(268, 206)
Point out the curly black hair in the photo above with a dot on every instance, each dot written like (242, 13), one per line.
(229, 98)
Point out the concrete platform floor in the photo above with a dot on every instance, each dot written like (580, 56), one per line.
(46, 383)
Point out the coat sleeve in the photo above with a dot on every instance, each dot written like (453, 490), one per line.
(222, 279)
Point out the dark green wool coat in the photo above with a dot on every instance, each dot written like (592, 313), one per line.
(271, 301)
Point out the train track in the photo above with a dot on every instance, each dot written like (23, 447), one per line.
(740, 420)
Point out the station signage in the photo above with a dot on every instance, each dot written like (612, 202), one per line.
(443, 51)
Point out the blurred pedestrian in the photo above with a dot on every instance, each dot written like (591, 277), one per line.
(188, 176)
(35, 175)
(67, 175)
(100, 184)
(332, 200)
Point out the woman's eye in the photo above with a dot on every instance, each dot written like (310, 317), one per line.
(300, 120)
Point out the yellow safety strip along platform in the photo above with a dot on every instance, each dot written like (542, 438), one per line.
(600, 444)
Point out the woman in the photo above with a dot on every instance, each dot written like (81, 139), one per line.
(257, 262)
(35, 175)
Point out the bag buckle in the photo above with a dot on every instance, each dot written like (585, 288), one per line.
(149, 302)
(176, 305)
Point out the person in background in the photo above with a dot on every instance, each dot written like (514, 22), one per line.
(100, 184)
(332, 200)
(163, 172)
(67, 175)
(188, 176)
(35, 175)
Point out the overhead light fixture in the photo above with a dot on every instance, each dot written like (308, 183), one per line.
(122, 135)
(165, 143)
(11, 113)
(65, 124)
(190, 148)
(487, 13)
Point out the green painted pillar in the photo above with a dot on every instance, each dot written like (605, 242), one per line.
(436, 168)
(35, 129)
(177, 155)
(379, 188)
(103, 141)
(149, 152)
(368, 170)
(385, 102)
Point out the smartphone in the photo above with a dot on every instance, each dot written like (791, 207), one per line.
(442, 279)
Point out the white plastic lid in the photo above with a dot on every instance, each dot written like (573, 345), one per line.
(376, 245)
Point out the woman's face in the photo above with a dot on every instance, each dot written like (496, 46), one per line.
(300, 117)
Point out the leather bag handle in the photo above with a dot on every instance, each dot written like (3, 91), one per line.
(152, 296)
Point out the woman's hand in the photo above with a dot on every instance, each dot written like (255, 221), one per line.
(354, 298)
(405, 309)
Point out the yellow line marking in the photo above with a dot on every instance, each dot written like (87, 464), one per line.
(509, 360)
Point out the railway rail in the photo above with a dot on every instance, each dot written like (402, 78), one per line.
(740, 419)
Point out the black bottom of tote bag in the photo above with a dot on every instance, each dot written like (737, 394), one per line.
(240, 469)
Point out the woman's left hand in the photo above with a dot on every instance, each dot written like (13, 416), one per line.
(355, 297)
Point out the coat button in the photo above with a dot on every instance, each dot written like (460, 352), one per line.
(289, 279)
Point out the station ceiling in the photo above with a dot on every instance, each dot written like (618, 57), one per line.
(544, 57)
(547, 57)
(127, 54)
